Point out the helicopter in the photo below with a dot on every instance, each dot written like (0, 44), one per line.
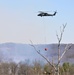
(41, 14)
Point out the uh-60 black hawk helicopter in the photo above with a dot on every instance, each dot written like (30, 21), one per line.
(41, 14)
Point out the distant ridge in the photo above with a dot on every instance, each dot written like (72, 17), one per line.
(20, 52)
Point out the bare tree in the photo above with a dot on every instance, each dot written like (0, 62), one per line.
(4, 68)
(13, 68)
(24, 68)
(60, 56)
(68, 46)
(37, 67)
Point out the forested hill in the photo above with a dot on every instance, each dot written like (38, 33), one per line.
(21, 52)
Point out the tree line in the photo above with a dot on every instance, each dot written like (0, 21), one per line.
(34, 68)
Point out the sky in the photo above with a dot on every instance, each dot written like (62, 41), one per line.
(19, 22)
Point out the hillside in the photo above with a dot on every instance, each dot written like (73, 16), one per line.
(21, 52)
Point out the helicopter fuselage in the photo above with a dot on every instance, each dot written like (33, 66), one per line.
(46, 14)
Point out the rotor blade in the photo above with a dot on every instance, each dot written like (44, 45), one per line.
(41, 11)
(45, 11)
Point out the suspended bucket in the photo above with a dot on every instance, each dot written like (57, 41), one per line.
(46, 49)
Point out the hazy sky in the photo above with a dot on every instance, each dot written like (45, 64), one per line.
(19, 22)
